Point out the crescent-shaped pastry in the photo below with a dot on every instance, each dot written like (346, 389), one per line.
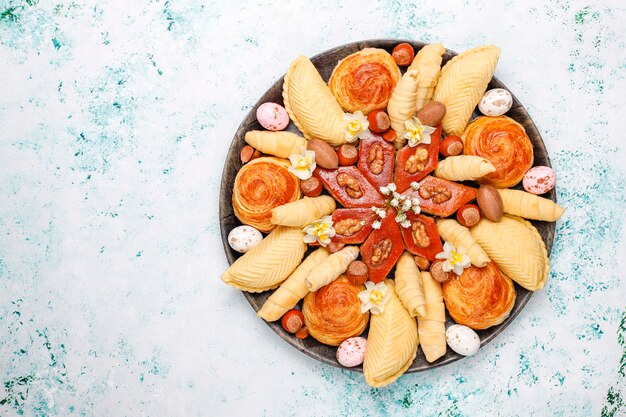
(391, 343)
(480, 297)
(280, 144)
(432, 328)
(530, 206)
(427, 63)
(504, 143)
(310, 104)
(330, 268)
(333, 313)
(452, 231)
(269, 263)
(462, 83)
(409, 285)
(299, 213)
(261, 185)
(401, 106)
(292, 290)
(463, 168)
(517, 248)
(364, 80)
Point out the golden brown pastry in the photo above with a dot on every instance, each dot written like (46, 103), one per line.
(462, 83)
(391, 343)
(530, 206)
(401, 105)
(503, 142)
(302, 212)
(427, 63)
(432, 327)
(480, 297)
(310, 104)
(463, 168)
(452, 231)
(261, 185)
(269, 263)
(330, 268)
(280, 144)
(364, 80)
(517, 248)
(409, 285)
(292, 290)
(333, 313)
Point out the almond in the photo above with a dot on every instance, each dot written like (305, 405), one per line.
(490, 202)
(325, 155)
(432, 113)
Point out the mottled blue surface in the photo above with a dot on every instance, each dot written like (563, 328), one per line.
(115, 118)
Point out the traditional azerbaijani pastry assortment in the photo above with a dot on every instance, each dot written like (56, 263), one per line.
(380, 161)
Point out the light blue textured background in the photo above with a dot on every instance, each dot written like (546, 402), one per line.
(115, 118)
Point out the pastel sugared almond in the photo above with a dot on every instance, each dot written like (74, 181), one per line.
(451, 146)
(379, 121)
(357, 272)
(347, 154)
(490, 202)
(292, 321)
(311, 187)
(437, 272)
(468, 215)
(325, 155)
(432, 113)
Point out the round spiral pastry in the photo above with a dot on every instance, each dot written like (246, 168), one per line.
(261, 185)
(365, 80)
(480, 297)
(333, 313)
(504, 143)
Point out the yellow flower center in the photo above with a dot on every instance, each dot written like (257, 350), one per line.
(354, 127)
(415, 132)
(376, 296)
(456, 258)
(303, 164)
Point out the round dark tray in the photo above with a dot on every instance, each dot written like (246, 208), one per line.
(325, 63)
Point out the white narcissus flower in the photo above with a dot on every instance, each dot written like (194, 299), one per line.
(415, 185)
(406, 204)
(320, 230)
(374, 297)
(384, 190)
(302, 164)
(376, 224)
(400, 217)
(406, 224)
(394, 202)
(357, 126)
(455, 259)
(416, 132)
(382, 213)
(392, 186)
